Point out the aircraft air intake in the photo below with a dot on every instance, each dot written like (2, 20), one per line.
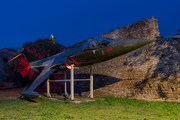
(69, 62)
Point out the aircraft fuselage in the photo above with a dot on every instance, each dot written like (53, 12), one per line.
(83, 56)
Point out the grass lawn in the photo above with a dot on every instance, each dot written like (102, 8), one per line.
(111, 109)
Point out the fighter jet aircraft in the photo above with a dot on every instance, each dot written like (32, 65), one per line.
(94, 51)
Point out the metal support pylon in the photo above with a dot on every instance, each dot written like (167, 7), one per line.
(48, 88)
(72, 82)
(65, 85)
(91, 81)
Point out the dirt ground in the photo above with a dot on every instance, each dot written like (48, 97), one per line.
(10, 93)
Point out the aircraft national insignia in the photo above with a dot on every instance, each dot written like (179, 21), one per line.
(102, 52)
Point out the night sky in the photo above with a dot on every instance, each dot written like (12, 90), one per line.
(71, 21)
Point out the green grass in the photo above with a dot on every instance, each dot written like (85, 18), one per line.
(109, 109)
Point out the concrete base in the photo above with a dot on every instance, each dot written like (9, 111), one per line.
(77, 98)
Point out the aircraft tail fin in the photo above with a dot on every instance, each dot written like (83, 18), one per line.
(29, 56)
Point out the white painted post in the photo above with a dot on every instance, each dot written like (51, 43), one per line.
(72, 82)
(91, 81)
(48, 88)
(65, 85)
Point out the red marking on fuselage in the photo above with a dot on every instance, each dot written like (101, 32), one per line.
(109, 49)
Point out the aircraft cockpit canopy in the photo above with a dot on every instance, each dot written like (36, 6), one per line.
(97, 43)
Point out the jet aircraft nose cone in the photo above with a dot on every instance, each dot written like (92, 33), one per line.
(123, 46)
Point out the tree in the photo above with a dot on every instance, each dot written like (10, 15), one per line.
(178, 31)
(41, 48)
(110, 30)
(13, 49)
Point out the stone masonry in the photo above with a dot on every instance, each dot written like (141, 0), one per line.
(151, 72)
(146, 29)
(5, 55)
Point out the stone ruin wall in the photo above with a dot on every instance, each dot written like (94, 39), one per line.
(146, 29)
(150, 73)
(4, 80)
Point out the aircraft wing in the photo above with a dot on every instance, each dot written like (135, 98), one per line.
(29, 93)
(44, 74)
